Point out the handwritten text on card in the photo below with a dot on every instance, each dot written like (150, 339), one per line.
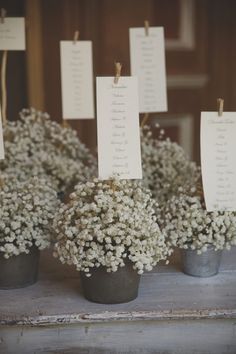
(118, 128)
(12, 33)
(77, 80)
(147, 54)
(218, 160)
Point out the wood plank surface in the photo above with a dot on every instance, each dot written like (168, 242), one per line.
(174, 313)
(149, 337)
(165, 293)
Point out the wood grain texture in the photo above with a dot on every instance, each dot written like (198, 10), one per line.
(16, 67)
(34, 55)
(150, 337)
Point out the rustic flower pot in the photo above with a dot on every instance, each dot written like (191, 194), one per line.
(111, 288)
(205, 264)
(19, 271)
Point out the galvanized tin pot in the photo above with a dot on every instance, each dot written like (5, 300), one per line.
(19, 271)
(206, 264)
(111, 288)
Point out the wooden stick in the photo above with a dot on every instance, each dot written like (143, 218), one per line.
(3, 87)
(145, 118)
(220, 106)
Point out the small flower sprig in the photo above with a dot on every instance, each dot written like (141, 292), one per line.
(188, 225)
(26, 211)
(166, 166)
(107, 222)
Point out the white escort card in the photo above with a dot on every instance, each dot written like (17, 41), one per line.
(77, 79)
(12, 33)
(1, 139)
(147, 54)
(118, 132)
(218, 160)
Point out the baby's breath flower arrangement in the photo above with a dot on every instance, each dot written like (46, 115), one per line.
(166, 167)
(189, 226)
(37, 146)
(106, 223)
(26, 209)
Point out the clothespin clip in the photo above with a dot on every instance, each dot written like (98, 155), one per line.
(76, 37)
(65, 124)
(145, 119)
(220, 106)
(146, 27)
(3, 15)
(118, 67)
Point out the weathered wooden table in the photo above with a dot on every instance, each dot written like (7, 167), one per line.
(174, 313)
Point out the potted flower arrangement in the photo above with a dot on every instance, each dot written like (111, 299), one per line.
(108, 230)
(200, 234)
(26, 209)
(166, 167)
(37, 146)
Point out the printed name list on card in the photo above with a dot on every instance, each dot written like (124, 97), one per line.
(118, 128)
(12, 33)
(77, 79)
(147, 54)
(218, 147)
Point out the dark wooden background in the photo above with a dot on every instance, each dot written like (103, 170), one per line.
(198, 72)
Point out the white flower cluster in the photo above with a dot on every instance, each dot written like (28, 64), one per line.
(166, 167)
(188, 225)
(26, 208)
(37, 146)
(107, 222)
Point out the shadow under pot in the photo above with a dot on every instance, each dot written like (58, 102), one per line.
(111, 287)
(202, 265)
(19, 271)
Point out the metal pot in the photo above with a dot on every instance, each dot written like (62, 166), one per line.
(19, 271)
(111, 288)
(205, 264)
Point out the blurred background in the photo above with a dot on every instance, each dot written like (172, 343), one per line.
(200, 56)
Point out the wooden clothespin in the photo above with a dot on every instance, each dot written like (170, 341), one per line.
(146, 27)
(220, 106)
(145, 118)
(3, 15)
(65, 124)
(111, 184)
(118, 67)
(76, 37)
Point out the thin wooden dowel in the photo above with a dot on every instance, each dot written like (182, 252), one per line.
(4, 87)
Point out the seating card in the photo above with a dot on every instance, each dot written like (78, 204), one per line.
(77, 79)
(218, 160)
(12, 33)
(147, 54)
(118, 128)
(1, 139)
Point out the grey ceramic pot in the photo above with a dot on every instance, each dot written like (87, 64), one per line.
(19, 271)
(206, 264)
(111, 288)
